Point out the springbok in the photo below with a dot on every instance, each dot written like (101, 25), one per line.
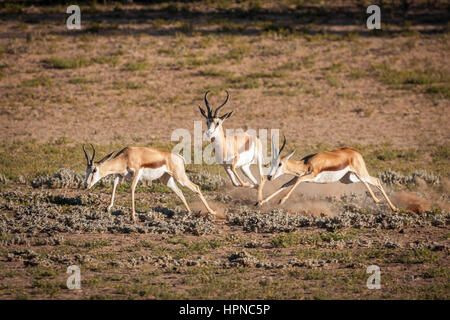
(240, 150)
(345, 165)
(137, 163)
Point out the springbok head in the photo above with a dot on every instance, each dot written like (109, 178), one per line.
(93, 168)
(213, 120)
(278, 163)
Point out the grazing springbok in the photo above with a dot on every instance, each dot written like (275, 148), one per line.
(345, 165)
(140, 163)
(240, 150)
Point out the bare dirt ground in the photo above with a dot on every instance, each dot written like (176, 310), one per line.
(309, 253)
(135, 73)
(323, 97)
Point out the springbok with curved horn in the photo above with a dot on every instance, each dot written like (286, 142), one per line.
(345, 165)
(238, 151)
(141, 163)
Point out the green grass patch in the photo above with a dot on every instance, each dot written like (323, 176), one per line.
(430, 81)
(284, 240)
(385, 157)
(267, 74)
(30, 158)
(127, 85)
(97, 27)
(356, 74)
(67, 63)
(140, 65)
(243, 83)
(314, 275)
(157, 24)
(96, 244)
(438, 272)
(332, 236)
(416, 257)
(282, 92)
(439, 91)
(112, 60)
(205, 246)
(47, 287)
(336, 67)
(239, 52)
(326, 36)
(279, 29)
(296, 65)
(41, 81)
(332, 79)
(213, 72)
(82, 81)
(80, 62)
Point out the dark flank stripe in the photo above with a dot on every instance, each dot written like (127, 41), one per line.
(336, 167)
(247, 144)
(154, 165)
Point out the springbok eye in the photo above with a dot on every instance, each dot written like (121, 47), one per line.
(279, 165)
(95, 170)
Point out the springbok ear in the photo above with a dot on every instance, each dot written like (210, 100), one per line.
(290, 155)
(203, 112)
(106, 158)
(226, 115)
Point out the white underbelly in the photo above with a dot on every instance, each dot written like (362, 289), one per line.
(147, 174)
(247, 157)
(329, 176)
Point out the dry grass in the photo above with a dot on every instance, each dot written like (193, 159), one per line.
(134, 73)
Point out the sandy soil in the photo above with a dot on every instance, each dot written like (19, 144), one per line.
(347, 111)
(134, 74)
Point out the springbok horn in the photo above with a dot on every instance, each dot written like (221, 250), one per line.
(203, 112)
(207, 105)
(284, 143)
(93, 153)
(221, 106)
(86, 155)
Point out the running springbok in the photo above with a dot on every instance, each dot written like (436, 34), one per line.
(137, 163)
(345, 165)
(240, 150)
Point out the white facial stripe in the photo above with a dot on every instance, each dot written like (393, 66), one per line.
(92, 176)
(279, 170)
(211, 132)
(275, 169)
